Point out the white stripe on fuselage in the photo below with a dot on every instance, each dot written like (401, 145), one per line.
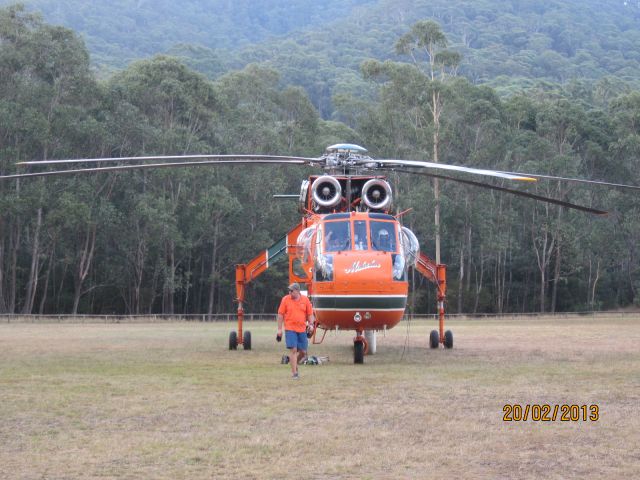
(363, 309)
(358, 296)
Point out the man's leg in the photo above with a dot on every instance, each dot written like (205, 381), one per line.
(303, 345)
(292, 344)
(293, 360)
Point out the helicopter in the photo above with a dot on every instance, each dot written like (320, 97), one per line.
(349, 249)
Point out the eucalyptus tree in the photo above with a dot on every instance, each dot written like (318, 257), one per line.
(48, 98)
(174, 111)
(426, 44)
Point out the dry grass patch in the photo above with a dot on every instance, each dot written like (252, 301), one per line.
(170, 401)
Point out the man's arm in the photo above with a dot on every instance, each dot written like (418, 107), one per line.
(310, 316)
(281, 311)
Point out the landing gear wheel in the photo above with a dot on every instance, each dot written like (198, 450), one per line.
(448, 339)
(233, 341)
(434, 339)
(246, 340)
(358, 352)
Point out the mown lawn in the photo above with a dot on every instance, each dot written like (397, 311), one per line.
(170, 401)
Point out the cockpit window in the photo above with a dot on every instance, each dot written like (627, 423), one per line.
(383, 236)
(337, 236)
(360, 235)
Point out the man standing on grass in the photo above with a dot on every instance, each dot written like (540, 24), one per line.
(297, 314)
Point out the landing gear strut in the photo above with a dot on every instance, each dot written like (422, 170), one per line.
(436, 273)
(370, 337)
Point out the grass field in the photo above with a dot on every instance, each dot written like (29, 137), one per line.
(170, 401)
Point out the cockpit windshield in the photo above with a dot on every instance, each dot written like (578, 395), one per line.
(383, 236)
(360, 235)
(337, 236)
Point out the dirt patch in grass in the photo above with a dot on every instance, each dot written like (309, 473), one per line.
(170, 401)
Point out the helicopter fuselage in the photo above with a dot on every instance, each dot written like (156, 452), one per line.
(358, 270)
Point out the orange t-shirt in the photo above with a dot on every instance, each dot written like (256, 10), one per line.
(295, 312)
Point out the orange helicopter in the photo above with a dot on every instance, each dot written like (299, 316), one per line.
(349, 250)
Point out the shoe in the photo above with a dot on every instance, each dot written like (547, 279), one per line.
(295, 376)
(285, 359)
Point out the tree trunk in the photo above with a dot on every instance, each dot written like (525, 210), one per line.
(543, 284)
(138, 268)
(84, 266)
(154, 287)
(556, 277)
(43, 300)
(14, 247)
(592, 290)
(461, 278)
(558, 261)
(168, 289)
(213, 273)
(32, 283)
(59, 293)
(479, 281)
(187, 286)
(199, 292)
(543, 245)
(3, 303)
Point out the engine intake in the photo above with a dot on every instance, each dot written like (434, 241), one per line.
(376, 194)
(326, 191)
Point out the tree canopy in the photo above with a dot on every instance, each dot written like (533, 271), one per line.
(167, 241)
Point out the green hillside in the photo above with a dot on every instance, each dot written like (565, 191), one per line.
(120, 31)
(320, 45)
(505, 43)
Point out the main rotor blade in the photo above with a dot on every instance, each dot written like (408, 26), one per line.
(577, 180)
(291, 161)
(456, 168)
(171, 157)
(513, 192)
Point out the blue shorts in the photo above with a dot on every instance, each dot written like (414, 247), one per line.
(297, 340)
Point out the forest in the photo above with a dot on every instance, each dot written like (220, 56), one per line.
(507, 44)
(167, 241)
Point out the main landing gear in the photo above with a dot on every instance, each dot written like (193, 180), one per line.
(447, 340)
(246, 340)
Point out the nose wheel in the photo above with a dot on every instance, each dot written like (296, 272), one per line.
(360, 347)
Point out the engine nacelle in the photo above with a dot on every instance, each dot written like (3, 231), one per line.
(376, 194)
(326, 191)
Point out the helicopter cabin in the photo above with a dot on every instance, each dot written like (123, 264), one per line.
(358, 263)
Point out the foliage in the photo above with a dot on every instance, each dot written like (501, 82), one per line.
(167, 240)
(509, 44)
